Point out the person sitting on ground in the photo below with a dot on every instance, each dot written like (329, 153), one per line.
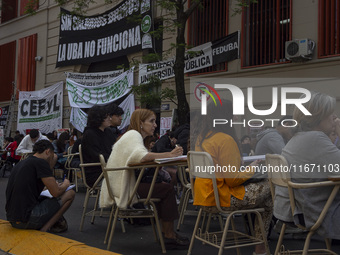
(97, 139)
(311, 147)
(25, 208)
(130, 149)
(26, 144)
(221, 143)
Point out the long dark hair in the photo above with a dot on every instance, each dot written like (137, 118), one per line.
(224, 111)
(61, 141)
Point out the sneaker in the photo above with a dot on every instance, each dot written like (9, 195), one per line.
(177, 243)
(290, 228)
(60, 226)
(182, 238)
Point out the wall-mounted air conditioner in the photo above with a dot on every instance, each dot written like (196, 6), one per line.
(299, 49)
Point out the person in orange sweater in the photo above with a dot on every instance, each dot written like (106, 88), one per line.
(220, 143)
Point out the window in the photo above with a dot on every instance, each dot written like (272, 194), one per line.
(206, 24)
(9, 10)
(23, 3)
(7, 69)
(329, 28)
(266, 26)
(26, 63)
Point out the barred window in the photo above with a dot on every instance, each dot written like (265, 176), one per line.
(9, 10)
(206, 24)
(7, 69)
(329, 28)
(266, 26)
(26, 63)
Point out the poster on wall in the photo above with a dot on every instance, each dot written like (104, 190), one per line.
(165, 125)
(87, 39)
(41, 109)
(3, 115)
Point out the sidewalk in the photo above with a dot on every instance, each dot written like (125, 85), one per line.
(138, 239)
(18, 241)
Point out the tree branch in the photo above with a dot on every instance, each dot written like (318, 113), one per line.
(192, 7)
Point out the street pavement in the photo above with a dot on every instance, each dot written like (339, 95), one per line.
(139, 239)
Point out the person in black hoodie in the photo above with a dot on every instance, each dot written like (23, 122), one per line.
(166, 143)
(97, 139)
(182, 134)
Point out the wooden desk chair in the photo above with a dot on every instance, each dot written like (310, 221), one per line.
(150, 210)
(72, 171)
(281, 178)
(224, 239)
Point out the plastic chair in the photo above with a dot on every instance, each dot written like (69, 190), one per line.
(281, 178)
(224, 239)
(149, 211)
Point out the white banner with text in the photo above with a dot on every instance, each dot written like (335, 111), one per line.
(41, 109)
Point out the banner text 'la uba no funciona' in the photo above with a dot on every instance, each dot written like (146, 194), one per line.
(84, 40)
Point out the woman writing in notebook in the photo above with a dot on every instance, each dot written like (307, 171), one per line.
(130, 149)
(220, 143)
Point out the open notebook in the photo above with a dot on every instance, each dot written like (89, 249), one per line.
(46, 192)
(165, 160)
(253, 158)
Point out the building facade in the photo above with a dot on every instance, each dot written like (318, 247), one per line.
(29, 47)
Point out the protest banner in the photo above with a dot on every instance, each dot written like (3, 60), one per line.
(3, 115)
(88, 39)
(78, 117)
(202, 56)
(82, 96)
(93, 79)
(1, 137)
(41, 109)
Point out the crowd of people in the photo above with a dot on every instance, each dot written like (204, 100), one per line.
(312, 141)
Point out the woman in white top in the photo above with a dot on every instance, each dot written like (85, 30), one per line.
(130, 149)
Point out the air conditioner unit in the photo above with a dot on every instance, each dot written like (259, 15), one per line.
(299, 49)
